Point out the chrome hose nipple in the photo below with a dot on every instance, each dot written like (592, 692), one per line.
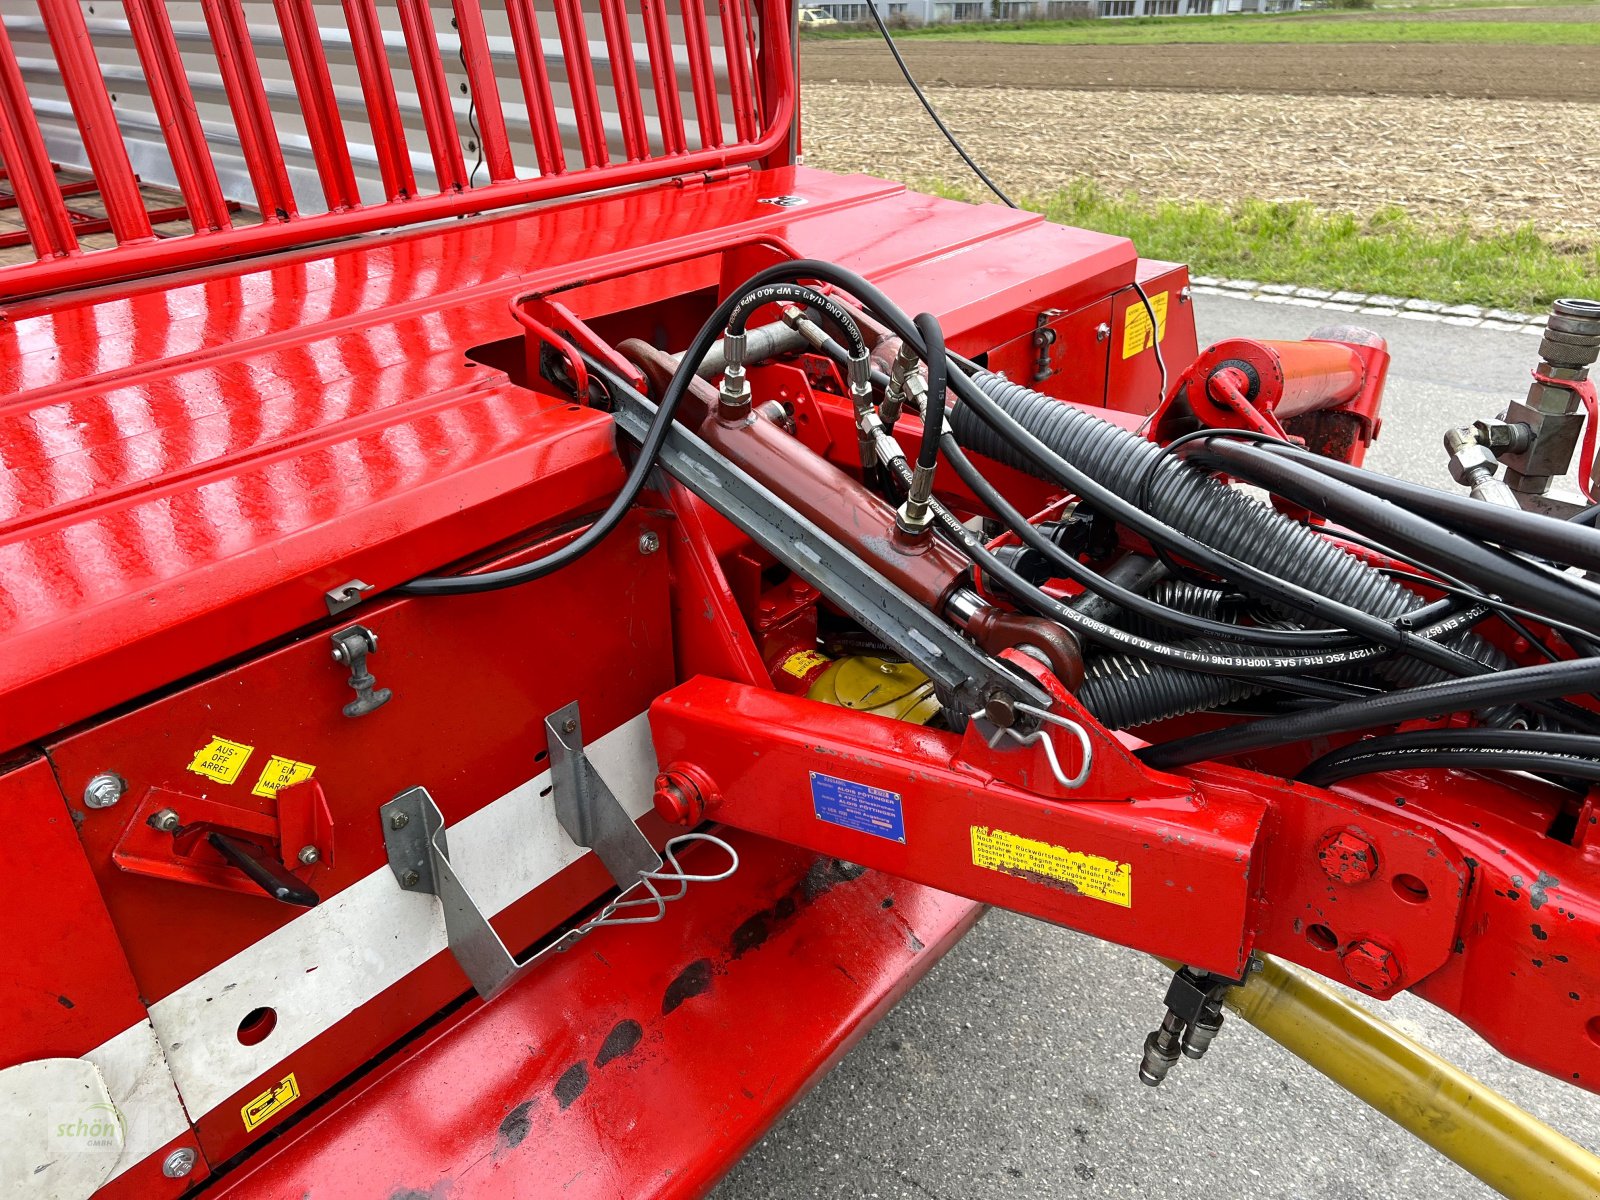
(733, 396)
(915, 516)
(808, 329)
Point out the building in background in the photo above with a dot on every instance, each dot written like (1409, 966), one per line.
(943, 12)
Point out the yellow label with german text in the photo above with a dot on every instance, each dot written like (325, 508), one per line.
(1053, 866)
(221, 759)
(271, 1102)
(279, 773)
(803, 663)
(1136, 325)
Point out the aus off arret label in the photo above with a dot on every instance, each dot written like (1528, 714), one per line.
(858, 806)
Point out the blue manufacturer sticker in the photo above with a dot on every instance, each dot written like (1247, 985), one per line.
(858, 806)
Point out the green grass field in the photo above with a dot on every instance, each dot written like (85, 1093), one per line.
(1388, 253)
(1295, 29)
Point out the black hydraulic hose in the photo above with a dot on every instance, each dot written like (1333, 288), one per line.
(1264, 551)
(933, 409)
(1071, 568)
(649, 449)
(1460, 758)
(1419, 747)
(1518, 685)
(1572, 542)
(1391, 524)
(784, 291)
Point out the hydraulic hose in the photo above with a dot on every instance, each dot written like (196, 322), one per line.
(1191, 502)
(755, 298)
(938, 369)
(1574, 755)
(1517, 685)
(1414, 535)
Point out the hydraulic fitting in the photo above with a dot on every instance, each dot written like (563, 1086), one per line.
(1553, 411)
(733, 397)
(894, 396)
(915, 515)
(1473, 465)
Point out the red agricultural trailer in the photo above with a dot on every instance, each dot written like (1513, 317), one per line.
(516, 648)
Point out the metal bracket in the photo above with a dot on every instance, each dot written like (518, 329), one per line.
(419, 854)
(346, 595)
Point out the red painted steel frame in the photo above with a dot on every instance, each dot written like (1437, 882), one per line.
(660, 1054)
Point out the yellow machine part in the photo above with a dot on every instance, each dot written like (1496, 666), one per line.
(880, 686)
(1465, 1120)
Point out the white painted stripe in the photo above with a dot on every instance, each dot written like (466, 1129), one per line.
(141, 1086)
(336, 957)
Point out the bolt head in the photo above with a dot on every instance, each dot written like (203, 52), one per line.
(1371, 966)
(410, 879)
(570, 725)
(309, 855)
(179, 1163)
(649, 542)
(1348, 857)
(399, 820)
(104, 790)
(1001, 710)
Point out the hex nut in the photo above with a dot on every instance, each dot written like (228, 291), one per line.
(410, 879)
(1469, 460)
(1347, 857)
(399, 820)
(309, 855)
(649, 542)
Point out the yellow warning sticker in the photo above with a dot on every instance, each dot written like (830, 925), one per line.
(280, 772)
(1054, 866)
(803, 663)
(1136, 325)
(221, 759)
(274, 1100)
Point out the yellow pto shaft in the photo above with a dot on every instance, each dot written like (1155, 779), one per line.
(1469, 1123)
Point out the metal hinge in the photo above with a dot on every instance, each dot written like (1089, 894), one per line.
(717, 175)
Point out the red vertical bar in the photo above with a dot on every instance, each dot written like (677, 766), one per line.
(535, 74)
(383, 109)
(736, 50)
(302, 44)
(664, 75)
(702, 73)
(180, 123)
(91, 108)
(433, 93)
(625, 79)
(252, 115)
(490, 116)
(580, 82)
(778, 69)
(33, 180)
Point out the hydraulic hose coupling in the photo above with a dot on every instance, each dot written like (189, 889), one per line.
(915, 517)
(733, 397)
(894, 396)
(858, 371)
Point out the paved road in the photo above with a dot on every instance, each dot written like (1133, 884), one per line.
(1009, 1071)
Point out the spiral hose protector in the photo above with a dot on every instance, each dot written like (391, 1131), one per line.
(1192, 502)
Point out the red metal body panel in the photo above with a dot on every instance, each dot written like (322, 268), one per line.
(657, 1060)
(179, 458)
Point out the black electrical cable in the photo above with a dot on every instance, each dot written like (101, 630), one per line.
(1519, 685)
(927, 106)
(933, 409)
(649, 448)
(1403, 749)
